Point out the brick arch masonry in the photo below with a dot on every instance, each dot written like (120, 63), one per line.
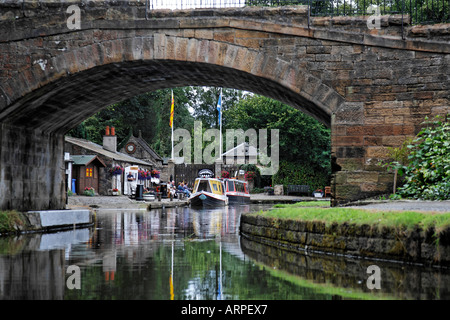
(373, 89)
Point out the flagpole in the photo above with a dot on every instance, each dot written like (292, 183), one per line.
(220, 124)
(171, 115)
(172, 142)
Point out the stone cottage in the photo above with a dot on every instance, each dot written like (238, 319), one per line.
(108, 179)
(138, 148)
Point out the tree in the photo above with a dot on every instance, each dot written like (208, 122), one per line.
(304, 143)
(148, 113)
(205, 104)
(302, 138)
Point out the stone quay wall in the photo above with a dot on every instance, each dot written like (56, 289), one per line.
(387, 243)
(49, 221)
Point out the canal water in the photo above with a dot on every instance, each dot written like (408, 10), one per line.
(191, 254)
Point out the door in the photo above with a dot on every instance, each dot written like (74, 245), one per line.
(91, 177)
(130, 184)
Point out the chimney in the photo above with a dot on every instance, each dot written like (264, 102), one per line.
(110, 139)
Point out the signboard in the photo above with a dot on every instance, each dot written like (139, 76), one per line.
(205, 173)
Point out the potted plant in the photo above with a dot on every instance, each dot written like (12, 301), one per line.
(318, 193)
(89, 191)
(149, 195)
(115, 192)
(116, 170)
(155, 174)
(142, 174)
(225, 174)
(269, 190)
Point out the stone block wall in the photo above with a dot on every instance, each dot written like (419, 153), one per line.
(414, 246)
(32, 170)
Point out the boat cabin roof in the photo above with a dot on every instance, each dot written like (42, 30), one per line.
(208, 185)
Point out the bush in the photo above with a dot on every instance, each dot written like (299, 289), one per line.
(258, 190)
(295, 173)
(427, 176)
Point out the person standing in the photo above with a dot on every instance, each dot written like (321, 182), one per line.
(130, 179)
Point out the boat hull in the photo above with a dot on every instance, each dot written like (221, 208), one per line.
(237, 199)
(205, 199)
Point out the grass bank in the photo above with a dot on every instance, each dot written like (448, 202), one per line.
(397, 219)
(302, 204)
(10, 220)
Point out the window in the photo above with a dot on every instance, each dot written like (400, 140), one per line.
(203, 186)
(195, 185)
(230, 186)
(88, 172)
(215, 187)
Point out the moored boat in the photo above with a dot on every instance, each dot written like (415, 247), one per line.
(236, 191)
(208, 192)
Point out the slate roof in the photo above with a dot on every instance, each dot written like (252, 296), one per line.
(147, 148)
(118, 156)
(142, 143)
(85, 160)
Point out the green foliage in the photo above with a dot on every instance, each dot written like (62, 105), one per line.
(294, 173)
(420, 11)
(147, 113)
(398, 157)
(8, 220)
(205, 104)
(303, 140)
(258, 190)
(427, 176)
(305, 144)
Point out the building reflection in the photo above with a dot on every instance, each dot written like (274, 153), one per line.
(34, 266)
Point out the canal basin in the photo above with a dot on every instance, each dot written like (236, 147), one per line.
(191, 254)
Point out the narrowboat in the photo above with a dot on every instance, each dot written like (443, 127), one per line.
(237, 191)
(208, 192)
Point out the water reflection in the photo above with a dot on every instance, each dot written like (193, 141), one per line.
(183, 253)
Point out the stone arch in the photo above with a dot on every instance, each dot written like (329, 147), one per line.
(56, 94)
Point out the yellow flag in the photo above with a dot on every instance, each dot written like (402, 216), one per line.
(171, 111)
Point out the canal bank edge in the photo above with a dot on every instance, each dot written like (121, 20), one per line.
(386, 243)
(47, 221)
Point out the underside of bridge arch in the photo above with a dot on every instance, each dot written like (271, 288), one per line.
(58, 107)
(33, 126)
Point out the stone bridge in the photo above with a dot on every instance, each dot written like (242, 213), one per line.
(373, 87)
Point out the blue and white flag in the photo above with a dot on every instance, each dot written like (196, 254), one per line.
(219, 106)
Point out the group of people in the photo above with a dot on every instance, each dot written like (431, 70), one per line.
(182, 187)
(172, 189)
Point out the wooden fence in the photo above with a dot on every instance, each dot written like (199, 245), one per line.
(188, 172)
